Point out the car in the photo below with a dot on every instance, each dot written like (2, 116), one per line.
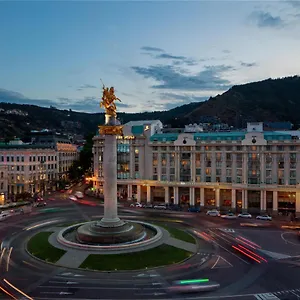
(194, 209)
(229, 216)
(245, 215)
(192, 286)
(213, 213)
(138, 205)
(40, 203)
(264, 217)
(160, 206)
(73, 198)
(79, 195)
(149, 205)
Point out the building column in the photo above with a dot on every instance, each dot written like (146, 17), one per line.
(217, 195)
(298, 203)
(192, 196)
(148, 194)
(275, 202)
(263, 201)
(193, 167)
(167, 195)
(176, 195)
(138, 194)
(233, 199)
(202, 196)
(129, 191)
(244, 200)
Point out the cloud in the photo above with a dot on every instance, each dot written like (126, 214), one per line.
(294, 3)
(266, 20)
(226, 51)
(248, 65)
(86, 86)
(152, 49)
(170, 78)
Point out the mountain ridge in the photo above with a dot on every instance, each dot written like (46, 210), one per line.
(266, 100)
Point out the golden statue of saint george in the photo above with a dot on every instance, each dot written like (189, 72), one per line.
(108, 101)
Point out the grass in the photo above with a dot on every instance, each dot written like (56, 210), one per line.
(179, 234)
(39, 247)
(155, 257)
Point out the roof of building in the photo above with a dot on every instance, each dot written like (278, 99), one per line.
(23, 146)
(220, 136)
(139, 123)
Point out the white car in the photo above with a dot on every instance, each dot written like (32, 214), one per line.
(245, 215)
(79, 195)
(229, 216)
(213, 213)
(138, 205)
(264, 217)
(73, 198)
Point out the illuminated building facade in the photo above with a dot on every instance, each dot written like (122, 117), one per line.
(251, 170)
(35, 168)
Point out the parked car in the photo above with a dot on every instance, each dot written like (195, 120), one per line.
(245, 215)
(264, 217)
(230, 216)
(194, 209)
(149, 205)
(213, 213)
(138, 205)
(160, 206)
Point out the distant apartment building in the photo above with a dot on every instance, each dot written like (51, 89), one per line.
(250, 170)
(35, 167)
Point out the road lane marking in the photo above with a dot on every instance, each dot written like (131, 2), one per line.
(266, 296)
(287, 241)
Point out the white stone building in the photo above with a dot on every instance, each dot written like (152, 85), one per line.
(3, 184)
(34, 168)
(248, 170)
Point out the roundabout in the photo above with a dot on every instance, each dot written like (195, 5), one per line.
(50, 246)
(41, 280)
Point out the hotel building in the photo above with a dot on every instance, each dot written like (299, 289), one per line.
(248, 170)
(35, 167)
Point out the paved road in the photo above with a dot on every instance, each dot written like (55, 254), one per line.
(239, 276)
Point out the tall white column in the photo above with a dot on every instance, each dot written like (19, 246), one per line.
(202, 196)
(263, 200)
(275, 201)
(244, 200)
(233, 199)
(167, 195)
(129, 191)
(138, 194)
(110, 218)
(176, 195)
(192, 196)
(217, 195)
(148, 193)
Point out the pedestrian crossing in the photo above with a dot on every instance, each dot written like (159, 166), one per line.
(281, 295)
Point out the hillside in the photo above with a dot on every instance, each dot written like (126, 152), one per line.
(18, 120)
(267, 100)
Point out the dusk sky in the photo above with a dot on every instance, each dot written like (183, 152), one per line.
(157, 55)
